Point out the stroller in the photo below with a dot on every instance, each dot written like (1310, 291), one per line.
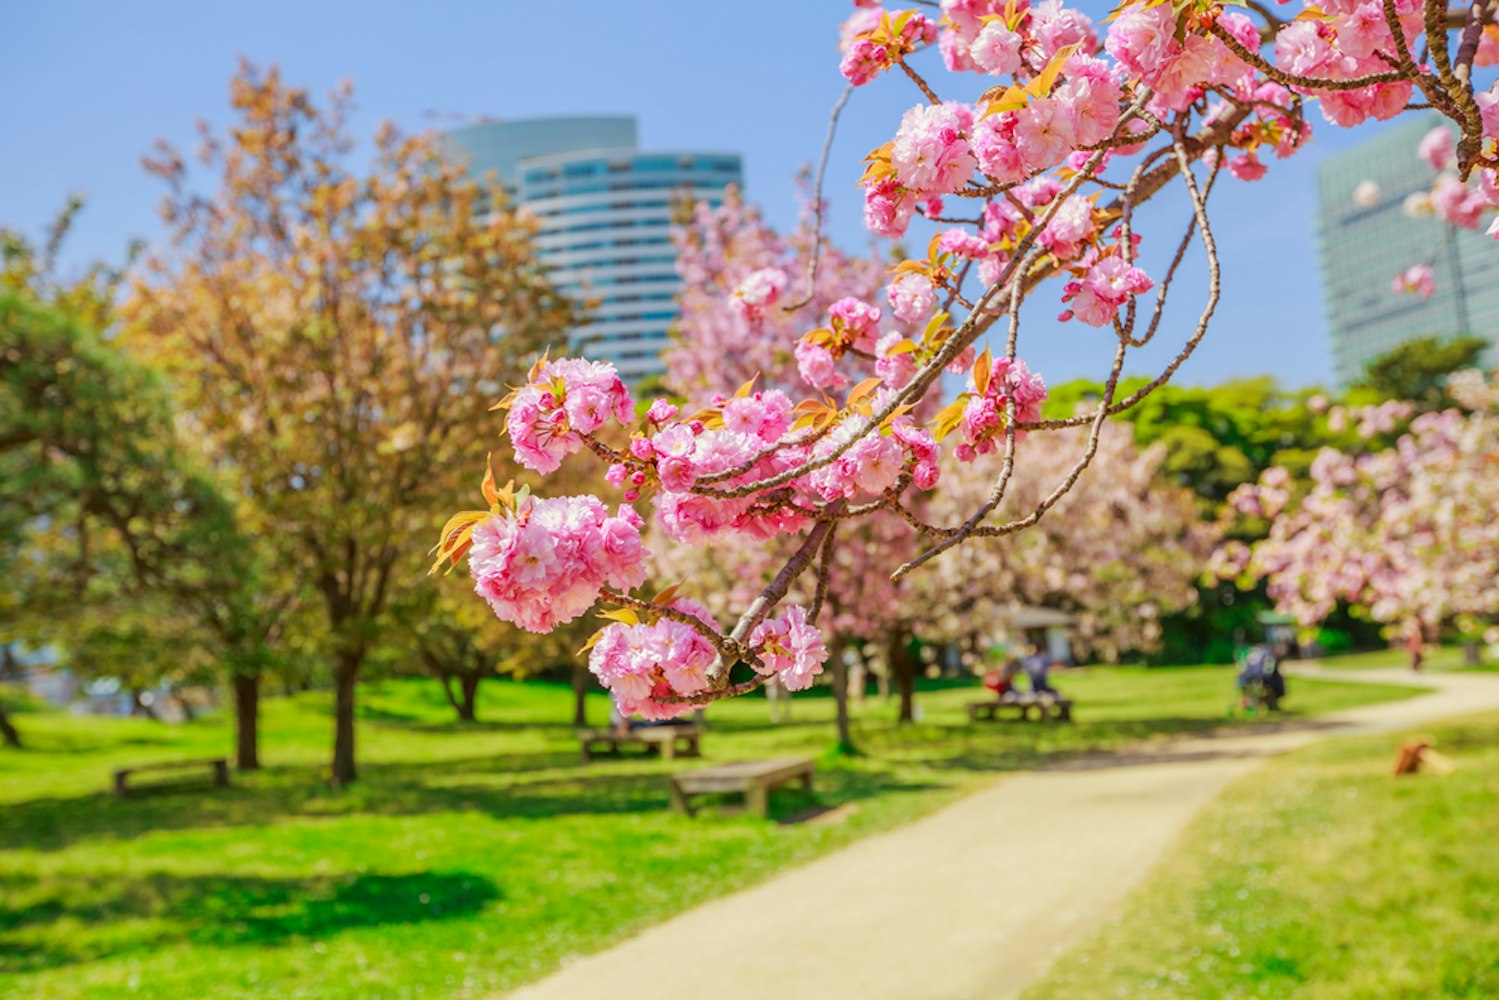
(1261, 684)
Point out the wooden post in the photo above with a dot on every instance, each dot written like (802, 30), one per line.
(757, 798)
(679, 801)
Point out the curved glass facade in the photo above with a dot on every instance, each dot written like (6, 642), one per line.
(605, 210)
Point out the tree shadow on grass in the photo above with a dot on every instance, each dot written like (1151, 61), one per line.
(490, 786)
(220, 910)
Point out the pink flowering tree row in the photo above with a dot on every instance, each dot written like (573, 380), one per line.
(1034, 187)
(1408, 534)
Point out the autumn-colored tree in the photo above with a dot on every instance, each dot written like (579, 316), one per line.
(335, 337)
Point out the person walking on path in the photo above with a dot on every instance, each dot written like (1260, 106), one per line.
(1413, 645)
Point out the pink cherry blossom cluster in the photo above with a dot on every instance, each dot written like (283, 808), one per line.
(1416, 280)
(545, 562)
(563, 400)
(758, 292)
(646, 665)
(983, 420)
(853, 325)
(790, 648)
(873, 462)
(873, 41)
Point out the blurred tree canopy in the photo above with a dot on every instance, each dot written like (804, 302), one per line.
(116, 544)
(1417, 370)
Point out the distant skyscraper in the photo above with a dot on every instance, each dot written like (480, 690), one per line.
(1363, 247)
(605, 210)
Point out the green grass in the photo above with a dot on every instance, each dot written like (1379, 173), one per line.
(1320, 876)
(467, 859)
(1438, 659)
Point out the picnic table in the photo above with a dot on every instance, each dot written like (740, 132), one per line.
(751, 778)
(1047, 708)
(663, 739)
(219, 765)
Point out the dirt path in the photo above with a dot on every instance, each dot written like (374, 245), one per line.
(979, 899)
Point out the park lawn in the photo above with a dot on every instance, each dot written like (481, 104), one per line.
(1320, 876)
(1438, 659)
(468, 859)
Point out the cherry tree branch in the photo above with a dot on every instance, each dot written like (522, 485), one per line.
(817, 203)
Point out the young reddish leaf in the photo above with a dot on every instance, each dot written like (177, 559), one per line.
(933, 328)
(981, 372)
(625, 616)
(863, 390)
(1010, 99)
(667, 596)
(1041, 85)
(454, 540)
(896, 413)
(948, 419)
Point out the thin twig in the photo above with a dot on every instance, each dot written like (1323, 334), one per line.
(817, 205)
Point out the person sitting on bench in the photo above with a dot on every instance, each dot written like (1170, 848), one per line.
(1036, 663)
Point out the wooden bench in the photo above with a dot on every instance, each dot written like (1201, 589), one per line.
(1047, 709)
(663, 739)
(219, 765)
(751, 778)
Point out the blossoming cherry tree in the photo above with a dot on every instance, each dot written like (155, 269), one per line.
(1034, 188)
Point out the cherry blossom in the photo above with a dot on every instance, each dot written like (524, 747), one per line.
(811, 418)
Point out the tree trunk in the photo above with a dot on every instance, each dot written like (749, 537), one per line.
(1472, 654)
(469, 683)
(580, 697)
(345, 676)
(8, 731)
(247, 722)
(778, 699)
(840, 700)
(138, 706)
(904, 670)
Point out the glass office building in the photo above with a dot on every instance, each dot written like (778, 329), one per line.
(1363, 248)
(605, 209)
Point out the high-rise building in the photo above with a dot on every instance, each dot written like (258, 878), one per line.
(604, 207)
(1364, 246)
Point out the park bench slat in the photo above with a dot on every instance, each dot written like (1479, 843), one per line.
(752, 778)
(219, 765)
(1047, 709)
(663, 738)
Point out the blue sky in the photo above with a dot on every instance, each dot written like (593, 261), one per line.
(91, 85)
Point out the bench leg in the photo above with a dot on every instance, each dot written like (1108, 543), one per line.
(221, 773)
(693, 750)
(587, 756)
(757, 800)
(669, 749)
(679, 801)
(807, 782)
(121, 790)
